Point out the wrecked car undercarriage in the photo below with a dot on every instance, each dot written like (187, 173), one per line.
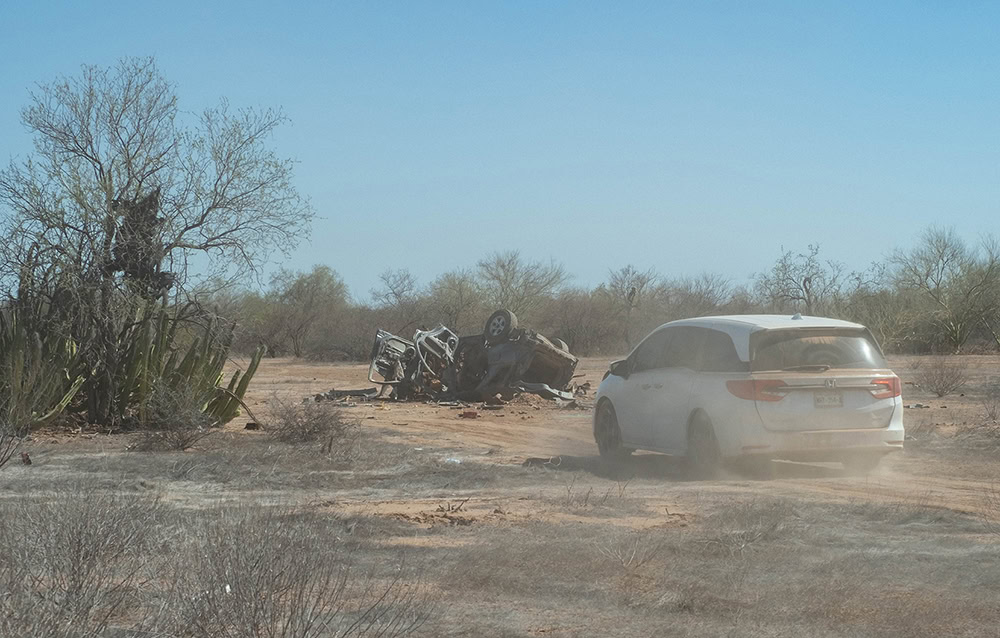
(505, 359)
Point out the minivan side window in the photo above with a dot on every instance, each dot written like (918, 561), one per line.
(718, 354)
(650, 352)
(683, 348)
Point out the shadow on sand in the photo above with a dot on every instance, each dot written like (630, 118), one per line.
(669, 468)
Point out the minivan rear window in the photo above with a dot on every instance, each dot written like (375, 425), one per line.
(814, 349)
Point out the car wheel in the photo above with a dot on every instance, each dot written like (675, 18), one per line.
(559, 343)
(499, 326)
(607, 433)
(862, 463)
(703, 455)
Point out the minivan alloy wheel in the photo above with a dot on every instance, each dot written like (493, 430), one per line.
(607, 433)
(703, 448)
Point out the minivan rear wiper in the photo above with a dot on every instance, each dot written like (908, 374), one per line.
(809, 367)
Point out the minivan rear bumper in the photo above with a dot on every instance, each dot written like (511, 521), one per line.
(826, 446)
(818, 445)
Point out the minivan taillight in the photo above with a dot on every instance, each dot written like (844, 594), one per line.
(758, 389)
(886, 387)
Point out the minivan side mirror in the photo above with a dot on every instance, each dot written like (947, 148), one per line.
(620, 368)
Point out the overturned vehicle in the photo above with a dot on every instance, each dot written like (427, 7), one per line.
(505, 359)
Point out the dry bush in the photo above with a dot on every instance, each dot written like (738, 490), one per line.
(991, 399)
(991, 510)
(310, 421)
(9, 442)
(632, 551)
(736, 529)
(69, 565)
(579, 499)
(174, 419)
(92, 564)
(941, 375)
(271, 573)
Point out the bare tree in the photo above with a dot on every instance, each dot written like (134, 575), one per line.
(801, 282)
(399, 287)
(962, 284)
(457, 296)
(628, 288)
(516, 284)
(113, 136)
(890, 313)
(698, 296)
(123, 185)
(585, 319)
(399, 300)
(305, 298)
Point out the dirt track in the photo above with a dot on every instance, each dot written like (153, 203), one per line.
(531, 427)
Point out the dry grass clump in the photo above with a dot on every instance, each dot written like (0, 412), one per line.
(991, 510)
(582, 498)
(174, 419)
(271, 572)
(736, 529)
(91, 564)
(632, 551)
(941, 375)
(10, 440)
(308, 422)
(70, 566)
(991, 400)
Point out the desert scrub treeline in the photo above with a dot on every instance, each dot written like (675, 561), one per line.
(940, 296)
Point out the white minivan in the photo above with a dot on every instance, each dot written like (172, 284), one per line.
(753, 388)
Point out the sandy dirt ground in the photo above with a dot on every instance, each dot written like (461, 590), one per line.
(573, 546)
(532, 428)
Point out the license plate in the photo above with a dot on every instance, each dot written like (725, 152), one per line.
(828, 400)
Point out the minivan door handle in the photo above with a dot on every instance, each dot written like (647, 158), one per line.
(658, 386)
(646, 386)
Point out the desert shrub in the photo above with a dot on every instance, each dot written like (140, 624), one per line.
(269, 572)
(941, 375)
(69, 565)
(990, 400)
(632, 551)
(309, 421)
(10, 440)
(92, 564)
(175, 419)
(736, 529)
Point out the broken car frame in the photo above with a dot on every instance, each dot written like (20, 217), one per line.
(438, 364)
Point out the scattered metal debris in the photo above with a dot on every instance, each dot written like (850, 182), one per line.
(536, 461)
(490, 367)
(366, 394)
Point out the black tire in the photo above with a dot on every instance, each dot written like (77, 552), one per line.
(703, 455)
(499, 326)
(607, 434)
(862, 463)
(559, 343)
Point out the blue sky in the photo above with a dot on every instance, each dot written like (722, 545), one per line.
(690, 137)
